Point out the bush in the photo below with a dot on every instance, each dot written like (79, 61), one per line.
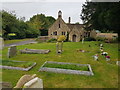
(52, 40)
(90, 39)
(100, 39)
(61, 38)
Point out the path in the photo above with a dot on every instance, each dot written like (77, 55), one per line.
(20, 43)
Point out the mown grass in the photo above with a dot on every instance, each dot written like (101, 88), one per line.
(67, 66)
(105, 75)
(16, 64)
(14, 41)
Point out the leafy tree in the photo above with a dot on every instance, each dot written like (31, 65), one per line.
(41, 22)
(101, 16)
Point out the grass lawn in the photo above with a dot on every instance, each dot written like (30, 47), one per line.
(14, 41)
(66, 66)
(16, 64)
(105, 75)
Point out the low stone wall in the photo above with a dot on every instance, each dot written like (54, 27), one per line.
(66, 71)
(18, 68)
(43, 38)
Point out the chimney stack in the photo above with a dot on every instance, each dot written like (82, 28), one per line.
(69, 20)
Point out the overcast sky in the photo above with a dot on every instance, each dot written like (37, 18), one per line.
(28, 9)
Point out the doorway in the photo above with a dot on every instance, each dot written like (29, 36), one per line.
(74, 38)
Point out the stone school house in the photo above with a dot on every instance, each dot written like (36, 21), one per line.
(73, 32)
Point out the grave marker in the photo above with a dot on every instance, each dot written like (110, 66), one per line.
(12, 51)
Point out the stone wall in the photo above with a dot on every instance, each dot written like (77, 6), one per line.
(43, 38)
(59, 26)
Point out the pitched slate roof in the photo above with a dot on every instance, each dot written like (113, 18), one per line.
(75, 25)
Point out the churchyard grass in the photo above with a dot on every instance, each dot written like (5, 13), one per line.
(14, 41)
(66, 66)
(105, 75)
(16, 64)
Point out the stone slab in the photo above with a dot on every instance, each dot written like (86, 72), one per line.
(34, 51)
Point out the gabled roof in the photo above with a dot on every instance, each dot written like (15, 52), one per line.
(78, 26)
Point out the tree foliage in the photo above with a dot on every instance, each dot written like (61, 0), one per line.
(41, 22)
(103, 16)
(22, 29)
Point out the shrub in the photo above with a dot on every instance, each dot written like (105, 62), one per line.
(100, 39)
(90, 39)
(61, 38)
(52, 40)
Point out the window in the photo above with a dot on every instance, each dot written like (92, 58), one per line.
(59, 25)
(55, 33)
(63, 33)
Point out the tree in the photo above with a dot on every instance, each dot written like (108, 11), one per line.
(41, 22)
(101, 16)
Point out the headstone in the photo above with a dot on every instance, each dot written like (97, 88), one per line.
(12, 51)
(82, 40)
(34, 83)
(59, 46)
(118, 63)
(24, 79)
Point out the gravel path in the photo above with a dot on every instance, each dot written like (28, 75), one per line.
(20, 43)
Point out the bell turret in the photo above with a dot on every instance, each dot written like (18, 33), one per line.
(60, 14)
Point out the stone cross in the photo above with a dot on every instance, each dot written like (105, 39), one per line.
(12, 51)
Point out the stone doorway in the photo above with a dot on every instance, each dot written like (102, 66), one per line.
(74, 38)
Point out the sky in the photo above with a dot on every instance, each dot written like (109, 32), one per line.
(28, 9)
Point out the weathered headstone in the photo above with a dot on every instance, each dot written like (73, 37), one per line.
(118, 63)
(24, 79)
(34, 83)
(59, 46)
(82, 40)
(12, 51)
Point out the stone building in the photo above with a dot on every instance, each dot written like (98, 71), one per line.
(73, 32)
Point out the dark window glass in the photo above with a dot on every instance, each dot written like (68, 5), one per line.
(59, 25)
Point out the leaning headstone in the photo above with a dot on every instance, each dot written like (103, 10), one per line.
(118, 63)
(34, 83)
(12, 51)
(24, 79)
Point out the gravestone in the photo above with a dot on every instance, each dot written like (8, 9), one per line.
(34, 83)
(82, 40)
(34, 51)
(59, 46)
(12, 51)
(118, 63)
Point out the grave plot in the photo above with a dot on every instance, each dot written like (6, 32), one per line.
(68, 68)
(34, 51)
(17, 65)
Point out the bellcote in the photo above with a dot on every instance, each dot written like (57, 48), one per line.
(59, 14)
